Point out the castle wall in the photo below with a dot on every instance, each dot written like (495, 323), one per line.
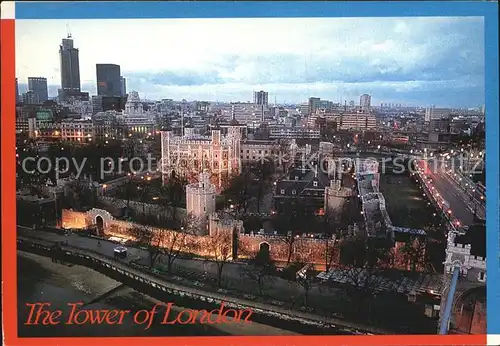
(303, 249)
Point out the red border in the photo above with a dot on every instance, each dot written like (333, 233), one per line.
(9, 265)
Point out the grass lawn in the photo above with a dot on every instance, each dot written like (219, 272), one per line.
(404, 201)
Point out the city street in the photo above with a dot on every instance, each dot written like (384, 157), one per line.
(321, 299)
(445, 190)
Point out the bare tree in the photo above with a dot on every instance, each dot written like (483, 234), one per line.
(301, 274)
(414, 252)
(260, 269)
(150, 239)
(220, 247)
(174, 243)
(331, 232)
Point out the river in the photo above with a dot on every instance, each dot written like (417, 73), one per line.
(41, 280)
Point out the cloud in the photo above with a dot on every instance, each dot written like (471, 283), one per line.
(420, 60)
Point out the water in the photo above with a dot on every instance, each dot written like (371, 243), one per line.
(40, 280)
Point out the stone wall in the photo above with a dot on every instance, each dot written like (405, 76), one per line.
(116, 204)
(302, 249)
(198, 245)
(73, 219)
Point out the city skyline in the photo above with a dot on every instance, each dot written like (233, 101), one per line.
(396, 60)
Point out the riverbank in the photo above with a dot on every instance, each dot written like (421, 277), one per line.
(41, 280)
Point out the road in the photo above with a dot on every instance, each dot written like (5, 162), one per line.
(323, 299)
(444, 188)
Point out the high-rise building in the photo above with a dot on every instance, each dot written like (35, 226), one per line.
(433, 113)
(365, 102)
(17, 92)
(108, 80)
(30, 98)
(314, 103)
(70, 67)
(38, 85)
(260, 97)
(123, 84)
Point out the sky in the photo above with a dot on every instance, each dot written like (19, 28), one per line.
(412, 60)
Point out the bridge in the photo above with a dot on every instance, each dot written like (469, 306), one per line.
(461, 208)
(157, 286)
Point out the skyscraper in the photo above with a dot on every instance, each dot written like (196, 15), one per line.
(123, 86)
(365, 102)
(260, 97)
(17, 92)
(38, 85)
(108, 80)
(70, 67)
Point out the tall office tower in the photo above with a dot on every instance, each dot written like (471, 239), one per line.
(30, 98)
(123, 83)
(108, 80)
(17, 92)
(70, 67)
(38, 85)
(314, 103)
(365, 101)
(260, 97)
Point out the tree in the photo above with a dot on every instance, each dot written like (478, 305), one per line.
(151, 239)
(175, 242)
(363, 262)
(260, 269)
(331, 232)
(220, 248)
(239, 190)
(302, 274)
(414, 252)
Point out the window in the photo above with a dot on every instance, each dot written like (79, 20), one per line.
(482, 276)
(282, 191)
(315, 184)
(248, 151)
(294, 192)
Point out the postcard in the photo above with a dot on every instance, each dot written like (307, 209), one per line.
(270, 173)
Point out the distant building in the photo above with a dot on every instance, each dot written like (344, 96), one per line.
(108, 103)
(314, 104)
(293, 133)
(356, 121)
(260, 97)
(30, 98)
(365, 102)
(38, 85)
(432, 113)
(96, 104)
(109, 81)
(70, 67)
(123, 84)
(17, 92)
